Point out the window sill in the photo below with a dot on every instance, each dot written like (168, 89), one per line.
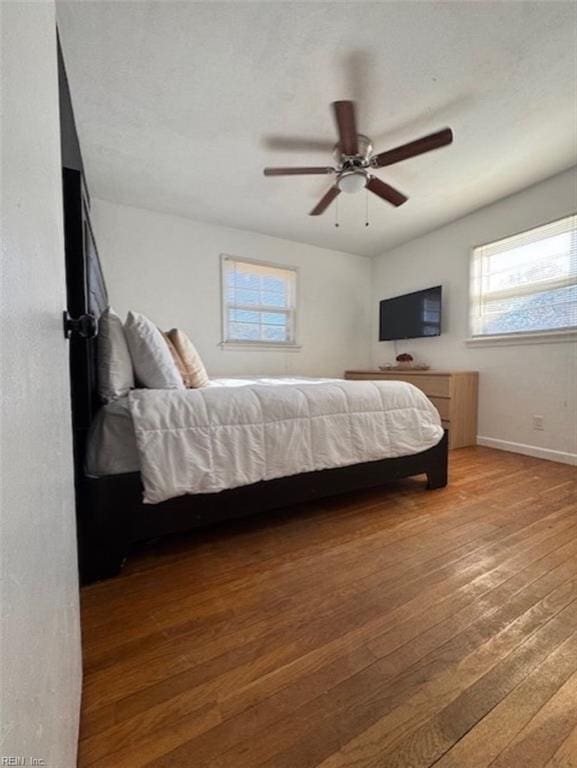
(515, 339)
(259, 345)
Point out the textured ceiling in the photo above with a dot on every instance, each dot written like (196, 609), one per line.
(179, 104)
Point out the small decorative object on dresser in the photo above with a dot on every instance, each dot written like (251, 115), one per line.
(404, 360)
(453, 393)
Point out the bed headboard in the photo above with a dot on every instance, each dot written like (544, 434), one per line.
(87, 298)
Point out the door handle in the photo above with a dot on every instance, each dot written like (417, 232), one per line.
(86, 326)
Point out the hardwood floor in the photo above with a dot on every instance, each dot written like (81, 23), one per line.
(397, 628)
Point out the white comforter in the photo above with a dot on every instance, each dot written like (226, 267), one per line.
(240, 431)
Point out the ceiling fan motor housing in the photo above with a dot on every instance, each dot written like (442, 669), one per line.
(365, 148)
(352, 176)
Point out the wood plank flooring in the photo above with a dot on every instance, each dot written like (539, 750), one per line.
(396, 628)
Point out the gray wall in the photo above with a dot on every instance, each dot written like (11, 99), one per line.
(40, 635)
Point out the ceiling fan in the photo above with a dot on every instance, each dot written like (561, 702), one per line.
(354, 156)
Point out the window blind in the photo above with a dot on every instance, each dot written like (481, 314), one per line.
(526, 283)
(259, 302)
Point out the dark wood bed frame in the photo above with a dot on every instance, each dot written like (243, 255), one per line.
(110, 514)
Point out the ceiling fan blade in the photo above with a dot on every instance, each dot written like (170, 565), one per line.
(388, 193)
(312, 170)
(413, 148)
(325, 201)
(346, 126)
(297, 144)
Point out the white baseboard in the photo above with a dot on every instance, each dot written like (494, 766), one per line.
(563, 457)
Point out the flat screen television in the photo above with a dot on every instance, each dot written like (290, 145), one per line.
(411, 316)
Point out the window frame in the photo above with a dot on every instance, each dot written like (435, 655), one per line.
(542, 336)
(293, 312)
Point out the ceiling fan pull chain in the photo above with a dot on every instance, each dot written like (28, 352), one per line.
(366, 207)
(337, 212)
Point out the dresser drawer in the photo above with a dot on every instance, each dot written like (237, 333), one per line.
(432, 386)
(442, 404)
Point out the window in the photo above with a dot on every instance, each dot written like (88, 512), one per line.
(259, 303)
(526, 283)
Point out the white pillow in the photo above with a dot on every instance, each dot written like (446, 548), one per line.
(115, 375)
(153, 364)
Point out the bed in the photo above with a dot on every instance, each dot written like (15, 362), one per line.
(163, 462)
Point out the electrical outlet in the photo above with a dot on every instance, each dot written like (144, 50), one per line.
(538, 423)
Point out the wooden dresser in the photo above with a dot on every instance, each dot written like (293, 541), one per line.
(453, 393)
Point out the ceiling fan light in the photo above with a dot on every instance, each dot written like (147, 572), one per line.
(352, 181)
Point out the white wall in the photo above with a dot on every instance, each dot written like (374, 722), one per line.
(169, 268)
(516, 382)
(39, 616)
